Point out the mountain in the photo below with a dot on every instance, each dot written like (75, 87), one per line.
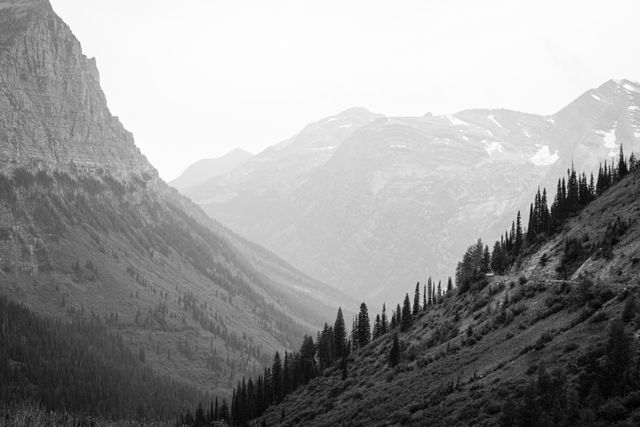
(395, 198)
(526, 348)
(205, 169)
(87, 228)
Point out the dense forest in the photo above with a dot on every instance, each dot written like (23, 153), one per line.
(79, 366)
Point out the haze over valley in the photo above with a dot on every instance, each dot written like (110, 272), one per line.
(264, 284)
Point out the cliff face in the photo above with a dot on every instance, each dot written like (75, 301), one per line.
(88, 228)
(53, 113)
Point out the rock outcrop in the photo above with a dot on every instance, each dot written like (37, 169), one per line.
(53, 113)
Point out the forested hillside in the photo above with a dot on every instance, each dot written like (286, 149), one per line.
(545, 339)
(81, 367)
(87, 226)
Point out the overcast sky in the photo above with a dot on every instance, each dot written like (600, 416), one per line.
(193, 79)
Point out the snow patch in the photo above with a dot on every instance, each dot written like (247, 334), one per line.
(526, 133)
(636, 134)
(455, 121)
(327, 148)
(596, 97)
(634, 108)
(631, 88)
(398, 146)
(543, 157)
(550, 120)
(609, 137)
(466, 138)
(493, 119)
(345, 126)
(332, 119)
(492, 147)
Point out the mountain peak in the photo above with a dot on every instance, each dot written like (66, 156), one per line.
(42, 60)
(204, 169)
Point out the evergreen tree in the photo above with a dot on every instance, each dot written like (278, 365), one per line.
(424, 298)
(623, 170)
(416, 300)
(518, 239)
(354, 333)
(364, 326)
(276, 379)
(384, 326)
(429, 288)
(394, 354)
(339, 334)
(405, 321)
(486, 260)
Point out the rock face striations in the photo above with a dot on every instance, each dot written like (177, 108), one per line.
(87, 228)
(53, 113)
(398, 198)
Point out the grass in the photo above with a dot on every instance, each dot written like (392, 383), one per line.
(29, 414)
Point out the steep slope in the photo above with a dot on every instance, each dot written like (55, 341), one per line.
(261, 186)
(86, 225)
(386, 205)
(524, 348)
(205, 169)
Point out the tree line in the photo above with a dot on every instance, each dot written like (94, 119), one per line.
(252, 396)
(572, 194)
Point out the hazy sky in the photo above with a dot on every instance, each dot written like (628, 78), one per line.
(193, 79)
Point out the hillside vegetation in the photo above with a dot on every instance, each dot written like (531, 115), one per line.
(551, 341)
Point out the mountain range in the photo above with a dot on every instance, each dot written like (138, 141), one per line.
(368, 203)
(87, 227)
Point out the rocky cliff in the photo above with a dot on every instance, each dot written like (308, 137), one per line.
(87, 228)
(53, 113)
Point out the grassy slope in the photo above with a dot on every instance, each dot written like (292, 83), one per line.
(458, 381)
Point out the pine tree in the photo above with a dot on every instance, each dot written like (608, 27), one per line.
(376, 327)
(364, 326)
(405, 321)
(354, 333)
(276, 379)
(416, 300)
(449, 286)
(384, 326)
(339, 334)
(429, 287)
(623, 170)
(518, 239)
(486, 260)
(394, 354)
(424, 298)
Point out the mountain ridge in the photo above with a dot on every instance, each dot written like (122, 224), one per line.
(381, 179)
(87, 225)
